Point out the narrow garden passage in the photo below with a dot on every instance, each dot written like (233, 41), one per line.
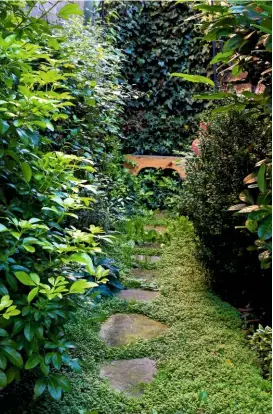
(192, 359)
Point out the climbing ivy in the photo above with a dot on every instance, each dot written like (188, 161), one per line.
(158, 39)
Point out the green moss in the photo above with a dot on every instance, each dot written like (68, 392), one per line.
(203, 349)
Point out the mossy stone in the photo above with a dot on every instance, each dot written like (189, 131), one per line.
(137, 294)
(123, 329)
(129, 376)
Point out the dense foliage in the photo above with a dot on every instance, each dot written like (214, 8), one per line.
(244, 35)
(157, 40)
(45, 92)
(229, 150)
(158, 189)
(213, 371)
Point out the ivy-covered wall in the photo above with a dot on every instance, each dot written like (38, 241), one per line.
(158, 40)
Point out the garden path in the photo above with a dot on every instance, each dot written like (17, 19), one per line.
(130, 375)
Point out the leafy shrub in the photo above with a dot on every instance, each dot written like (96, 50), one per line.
(44, 260)
(259, 210)
(158, 189)
(261, 342)
(229, 150)
(157, 40)
(92, 125)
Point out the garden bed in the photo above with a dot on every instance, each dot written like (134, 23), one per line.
(203, 359)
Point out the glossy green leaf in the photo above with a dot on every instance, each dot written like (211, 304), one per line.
(40, 386)
(29, 331)
(57, 360)
(70, 9)
(32, 361)
(261, 179)
(12, 373)
(63, 382)
(222, 57)
(252, 225)
(3, 362)
(194, 78)
(26, 170)
(3, 379)
(3, 228)
(54, 389)
(81, 285)
(32, 294)
(13, 356)
(24, 278)
(4, 126)
(3, 332)
(265, 228)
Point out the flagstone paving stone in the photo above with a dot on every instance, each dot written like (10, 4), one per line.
(129, 376)
(144, 258)
(123, 329)
(137, 294)
(143, 274)
(159, 229)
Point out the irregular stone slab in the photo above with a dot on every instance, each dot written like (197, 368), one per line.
(129, 376)
(143, 274)
(143, 258)
(124, 329)
(137, 294)
(159, 229)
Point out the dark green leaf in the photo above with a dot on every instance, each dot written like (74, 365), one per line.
(13, 356)
(12, 373)
(265, 228)
(3, 362)
(3, 379)
(55, 390)
(29, 331)
(57, 360)
(32, 361)
(40, 386)
(261, 178)
(4, 126)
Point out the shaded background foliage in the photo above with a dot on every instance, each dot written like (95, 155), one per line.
(157, 40)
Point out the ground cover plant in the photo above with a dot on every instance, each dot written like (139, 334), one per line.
(204, 362)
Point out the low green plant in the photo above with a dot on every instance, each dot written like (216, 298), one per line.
(186, 362)
(261, 342)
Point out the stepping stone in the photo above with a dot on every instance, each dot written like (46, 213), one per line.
(158, 229)
(143, 274)
(148, 259)
(137, 294)
(124, 329)
(129, 376)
